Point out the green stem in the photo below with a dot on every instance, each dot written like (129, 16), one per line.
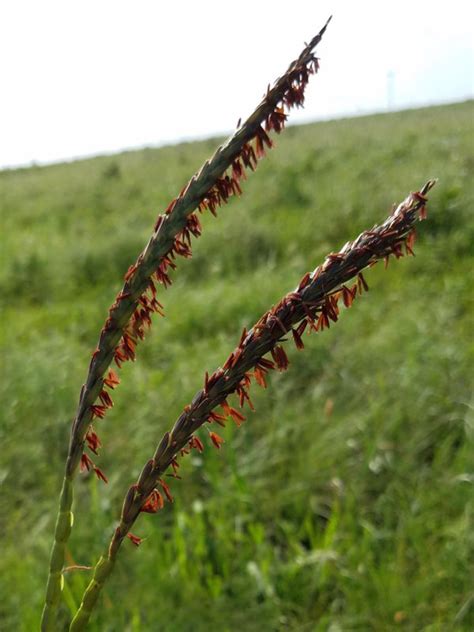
(102, 570)
(55, 579)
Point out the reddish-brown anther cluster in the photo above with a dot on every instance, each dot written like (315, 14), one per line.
(153, 503)
(98, 411)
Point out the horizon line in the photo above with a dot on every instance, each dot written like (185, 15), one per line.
(360, 113)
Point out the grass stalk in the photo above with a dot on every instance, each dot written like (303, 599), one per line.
(131, 312)
(311, 307)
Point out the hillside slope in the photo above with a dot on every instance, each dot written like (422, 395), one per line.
(345, 502)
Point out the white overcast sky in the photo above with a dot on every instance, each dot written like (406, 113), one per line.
(85, 77)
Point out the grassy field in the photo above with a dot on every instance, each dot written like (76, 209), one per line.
(345, 502)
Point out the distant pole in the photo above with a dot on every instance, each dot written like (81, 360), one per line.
(390, 89)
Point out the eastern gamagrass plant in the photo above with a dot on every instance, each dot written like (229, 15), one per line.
(218, 179)
(313, 304)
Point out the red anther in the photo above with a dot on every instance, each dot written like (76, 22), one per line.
(93, 441)
(130, 272)
(232, 412)
(153, 503)
(171, 205)
(220, 419)
(134, 539)
(98, 411)
(280, 357)
(229, 362)
(260, 377)
(302, 326)
(197, 444)
(362, 283)
(297, 338)
(265, 364)
(166, 490)
(216, 440)
(106, 399)
(347, 296)
(100, 475)
(304, 281)
(112, 380)
(86, 463)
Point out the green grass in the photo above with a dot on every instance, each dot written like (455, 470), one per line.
(352, 521)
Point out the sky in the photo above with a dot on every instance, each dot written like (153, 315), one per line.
(87, 77)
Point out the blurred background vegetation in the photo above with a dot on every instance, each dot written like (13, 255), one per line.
(345, 502)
